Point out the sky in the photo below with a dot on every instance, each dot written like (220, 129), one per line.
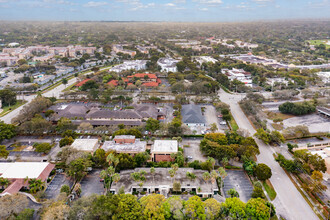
(163, 10)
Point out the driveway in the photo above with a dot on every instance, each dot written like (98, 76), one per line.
(289, 202)
(53, 189)
(91, 184)
(210, 115)
(193, 150)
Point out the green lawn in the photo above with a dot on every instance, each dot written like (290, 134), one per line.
(318, 42)
(269, 189)
(8, 109)
(233, 124)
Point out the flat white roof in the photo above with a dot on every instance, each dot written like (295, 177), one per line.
(165, 146)
(85, 144)
(21, 170)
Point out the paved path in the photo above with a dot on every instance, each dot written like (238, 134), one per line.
(289, 202)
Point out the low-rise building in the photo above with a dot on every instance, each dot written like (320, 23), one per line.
(162, 183)
(17, 172)
(162, 150)
(238, 74)
(96, 116)
(125, 144)
(273, 81)
(44, 79)
(88, 145)
(130, 65)
(142, 49)
(168, 64)
(192, 116)
(205, 59)
(120, 49)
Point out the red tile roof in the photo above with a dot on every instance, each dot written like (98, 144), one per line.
(113, 82)
(150, 84)
(141, 75)
(82, 82)
(14, 187)
(45, 173)
(130, 84)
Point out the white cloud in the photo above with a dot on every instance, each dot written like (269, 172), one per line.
(170, 5)
(94, 4)
(262, 1)
(204, 9)
(138, 5)
(179, 1)
(209, 2)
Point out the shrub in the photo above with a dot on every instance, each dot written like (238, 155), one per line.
(66, 141)
(297, 108)
(42, 147)
(65, 188)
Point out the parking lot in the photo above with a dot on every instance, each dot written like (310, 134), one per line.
(91, 184)
(238, 180)
(193, 151)
(211, 117)
(53, 189)
(314, 122)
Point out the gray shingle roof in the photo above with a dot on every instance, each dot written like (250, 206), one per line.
(192, 114)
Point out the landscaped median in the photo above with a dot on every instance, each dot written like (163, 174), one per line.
(269, 189)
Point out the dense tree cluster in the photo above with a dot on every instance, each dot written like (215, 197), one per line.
(229, 145)
(35, 106)
(156, 206)
(7, 131)
(7, 97)
(297, 108)
(273, 137)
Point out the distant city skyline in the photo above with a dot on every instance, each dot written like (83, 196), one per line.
(163, 10)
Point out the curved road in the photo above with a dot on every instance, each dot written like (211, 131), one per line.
(289, 202)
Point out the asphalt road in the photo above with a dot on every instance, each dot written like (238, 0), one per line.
(289, 202)
(55, 92)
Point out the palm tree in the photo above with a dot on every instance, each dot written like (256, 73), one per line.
(214, 176)
(212, 161)
(206, 176)
(175, 167)
(116, 177)
(139, 176)
(107, 176)
(112, 159)
(35, 185)
(172, 173)
(191, 176)
(224, 161)
(4, 182)
(222, 174)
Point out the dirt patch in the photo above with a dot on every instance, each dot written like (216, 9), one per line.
(278, 127)
(277, 116)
